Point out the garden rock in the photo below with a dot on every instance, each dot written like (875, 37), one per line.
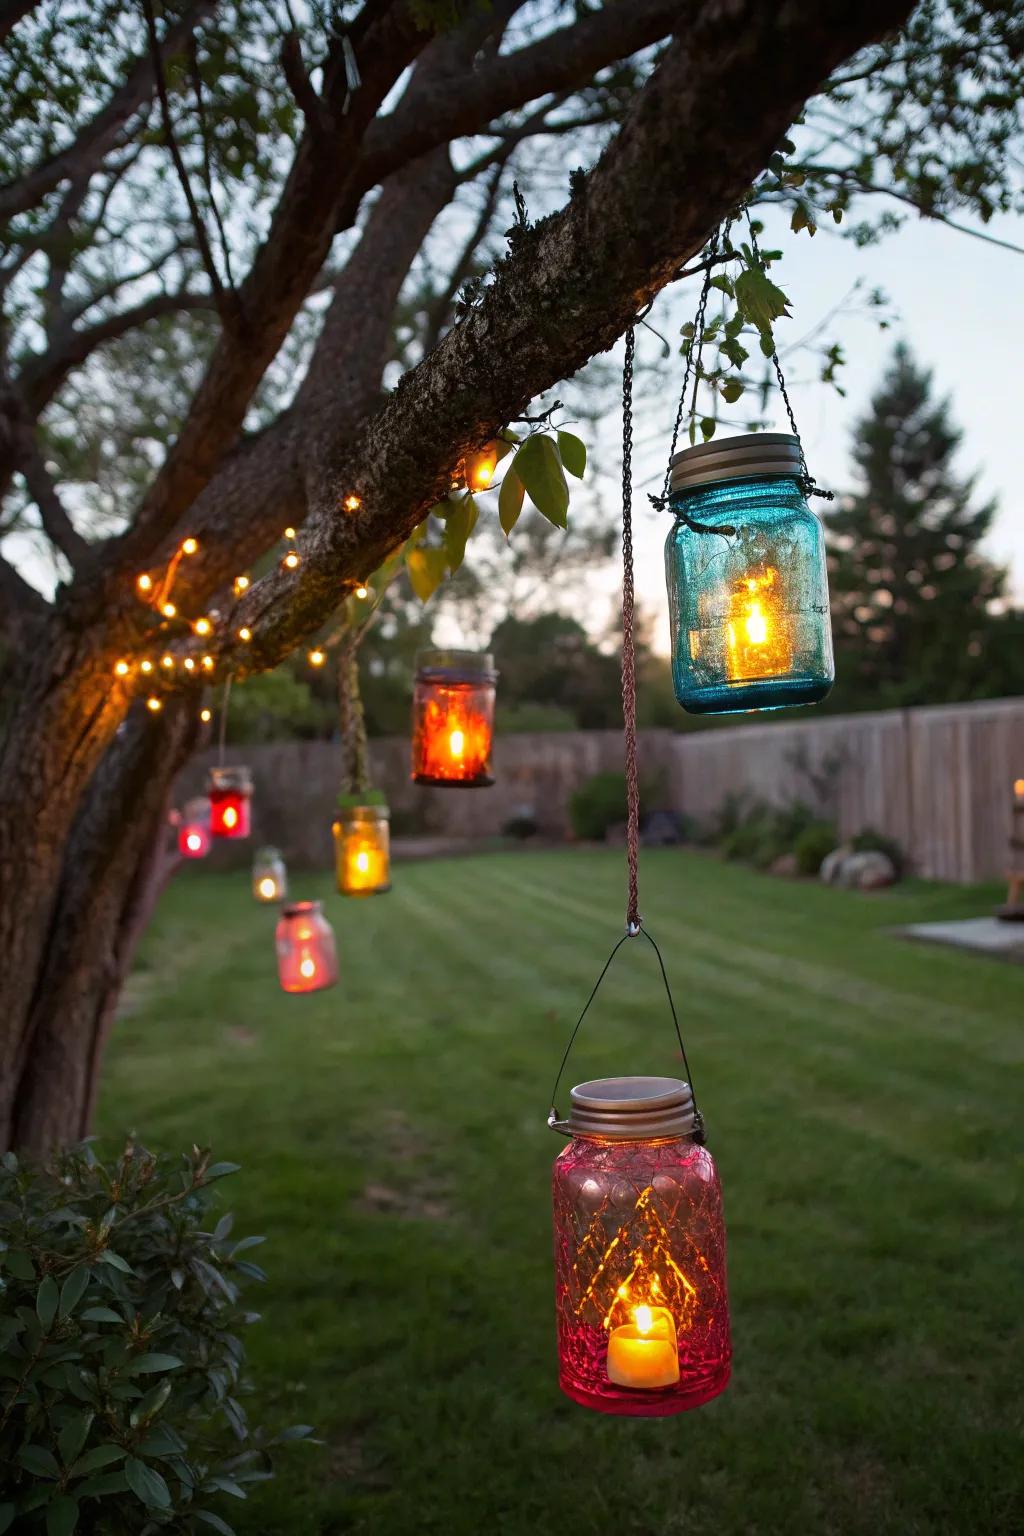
(833, 862)
(867, 871)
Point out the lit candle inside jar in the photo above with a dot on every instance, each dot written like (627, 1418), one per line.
(757, 634)
(366, 865)
(267, 888)
(456, 744)
(643, 1353)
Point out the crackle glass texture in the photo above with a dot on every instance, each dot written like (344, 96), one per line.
(749, 610)
(639, 1225)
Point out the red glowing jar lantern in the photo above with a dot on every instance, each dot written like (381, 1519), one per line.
(230, 792)
(453, 718)
(640, 1284)
(194, 829)
(307, 960)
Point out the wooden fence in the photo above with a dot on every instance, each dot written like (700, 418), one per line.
(937, 779)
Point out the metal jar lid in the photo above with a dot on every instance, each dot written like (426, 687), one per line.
(301, 908)
(237, 776)
(362, 814)
(762, 454)
(631, 1108)
(456, 666)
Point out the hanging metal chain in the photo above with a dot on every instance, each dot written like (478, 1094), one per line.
(695, 349)
(807, 482)
(628, 648)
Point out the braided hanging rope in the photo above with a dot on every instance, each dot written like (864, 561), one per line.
(352, 723)
(628, 647)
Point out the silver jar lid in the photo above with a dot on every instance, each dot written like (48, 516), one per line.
(235, 776)
(456, 666)
(762, 454)
(631, 1108)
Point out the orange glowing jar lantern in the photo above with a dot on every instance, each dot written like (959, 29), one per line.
(307, 960)
(269, 876)
(362, 850)
(230, 792)
(640, 1282)
(453, 718)
(194, 829)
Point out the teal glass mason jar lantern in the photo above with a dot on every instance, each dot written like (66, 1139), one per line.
(747, 586)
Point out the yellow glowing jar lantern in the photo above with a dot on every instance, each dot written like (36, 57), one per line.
(307, 960)
(362, 850)
(453, 718)
(747, 585)
(269, 876)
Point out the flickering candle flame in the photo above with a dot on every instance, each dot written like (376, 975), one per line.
(229, 817)
(643, 1353)
(267, 888)
(456, 745)
(194, 842)
(307, 967)
(758, 640)
(1018, 788)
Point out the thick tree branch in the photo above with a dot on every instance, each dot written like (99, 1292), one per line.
(56, 523)
(694, 141)
(101, 132)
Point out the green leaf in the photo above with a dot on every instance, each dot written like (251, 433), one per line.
(540, 469)
(510, 500)
(759, 298)
(224, 1485)
(154, 1362)
(61, 1516)
(73, 1289)
(115, 1261)
(149, 1406)
(707, 427)
(731, 390)
(426, 567)
(147, 1484)
(47, 1298)
(19, 1265)
(574, 453)
(209, 1518)
(39, 1461)
(221, 1171)
(73, 1436)
(104, 1483)
(460, 524)
(99, 1456)
(101, 1315)
(6, 1516)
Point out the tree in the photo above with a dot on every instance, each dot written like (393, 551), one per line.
(212, 212)
(911, 590)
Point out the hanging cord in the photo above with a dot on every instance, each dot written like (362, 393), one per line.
(223, 731)
(352, 721)
(628, 648)
(808, 484)
(554, 1119)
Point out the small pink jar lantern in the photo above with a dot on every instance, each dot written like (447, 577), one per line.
(307, 960)
(194, 829)
(640, 1283)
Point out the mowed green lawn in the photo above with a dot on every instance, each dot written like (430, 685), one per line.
(863, 1099)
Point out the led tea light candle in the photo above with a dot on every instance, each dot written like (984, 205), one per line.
(453, 718)
(362, 850)
(643, 1353)
(307, 959)
(747, 587)
(640, 1282)
(230, 793)
(269, 876)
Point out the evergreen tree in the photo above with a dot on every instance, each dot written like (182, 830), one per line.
(912, 592)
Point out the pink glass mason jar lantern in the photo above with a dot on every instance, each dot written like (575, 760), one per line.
(640, 1285)
(230, 792)
(194, 829)
(453, 718)
(307, 960)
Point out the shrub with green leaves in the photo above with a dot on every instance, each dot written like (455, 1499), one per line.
(870, 841)
(120, 1350)
(814, 845)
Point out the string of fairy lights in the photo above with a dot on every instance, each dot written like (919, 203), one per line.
(155, 591)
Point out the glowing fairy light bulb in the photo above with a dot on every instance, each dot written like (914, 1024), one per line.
(317, 658)
(245, 633)
(144, 583)
(206, 715)
(189, 546)
(154, 705)
(202, 626)
(168, 610)
(352, 502)
(146, 666)
(167, 662)
(240, 583)
(208, 663)
(362, 591)
(189, 664)
(291, 560)
(122, 669)
(289, 533)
